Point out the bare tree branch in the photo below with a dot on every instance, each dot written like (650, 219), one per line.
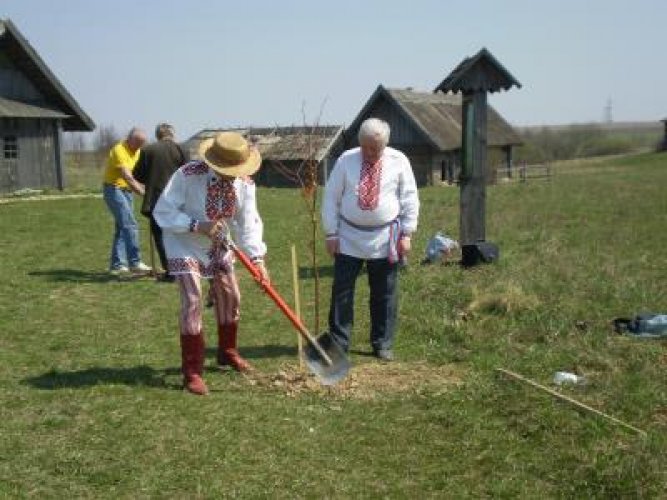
(305, 175)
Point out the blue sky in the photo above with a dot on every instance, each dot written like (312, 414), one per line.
(220, 63)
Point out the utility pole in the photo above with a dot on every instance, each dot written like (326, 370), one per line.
(607, 111)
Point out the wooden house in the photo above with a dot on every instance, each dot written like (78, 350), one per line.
(284, 148)
(35, 108)
(427, 126)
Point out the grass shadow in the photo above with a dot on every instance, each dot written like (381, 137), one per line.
(79, 276)
(447, 263)
(135, 376)
(359, 352)
(306, 272)
(260, 352)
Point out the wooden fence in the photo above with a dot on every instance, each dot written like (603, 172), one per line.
(523, 172)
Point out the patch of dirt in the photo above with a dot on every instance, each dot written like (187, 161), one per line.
(365, 381)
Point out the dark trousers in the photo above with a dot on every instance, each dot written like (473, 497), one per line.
(156, 230)
(383, 283)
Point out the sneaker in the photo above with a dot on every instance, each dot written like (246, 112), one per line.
(117, 271)
(384, 354)
(141, 268)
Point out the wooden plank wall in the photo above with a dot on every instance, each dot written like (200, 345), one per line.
(36, 166)
(15, 85)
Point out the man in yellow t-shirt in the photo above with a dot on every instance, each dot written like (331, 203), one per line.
(118, 187)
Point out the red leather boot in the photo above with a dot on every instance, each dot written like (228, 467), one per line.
(192, 364)
(228, 355)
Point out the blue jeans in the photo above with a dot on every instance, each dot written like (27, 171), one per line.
(125, 246)
(383, 282)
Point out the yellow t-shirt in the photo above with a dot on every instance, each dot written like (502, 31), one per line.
(119, 156)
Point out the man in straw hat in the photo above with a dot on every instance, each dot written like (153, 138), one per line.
(201, 200)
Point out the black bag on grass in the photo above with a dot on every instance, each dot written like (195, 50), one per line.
(649, 325)
(482, 252)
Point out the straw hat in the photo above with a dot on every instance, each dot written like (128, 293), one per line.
(229, 154)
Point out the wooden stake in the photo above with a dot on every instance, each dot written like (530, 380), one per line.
(297, 301)
(151, 244)
(574, 402)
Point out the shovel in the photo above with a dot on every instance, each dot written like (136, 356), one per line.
(324, 357)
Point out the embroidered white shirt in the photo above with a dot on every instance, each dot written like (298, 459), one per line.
(185, 199)
(398, 198)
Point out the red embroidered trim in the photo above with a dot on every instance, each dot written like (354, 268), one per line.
(369, 185)
(220, 199)
(195, 168)
(188, 265)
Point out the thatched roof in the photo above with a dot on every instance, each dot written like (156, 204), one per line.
(58, 99)
(280, 143)
(436, 117)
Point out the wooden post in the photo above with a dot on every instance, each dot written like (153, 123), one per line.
(473, 170)
(59, 155)
(474, 77)
(297, 302)
(509, 150)
(523, 174)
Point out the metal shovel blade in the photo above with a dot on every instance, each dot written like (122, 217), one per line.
(327, 373)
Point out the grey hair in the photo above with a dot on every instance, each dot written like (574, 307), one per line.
(164, 131)
(376, 129)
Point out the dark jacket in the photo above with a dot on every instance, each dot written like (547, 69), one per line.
(157, 162)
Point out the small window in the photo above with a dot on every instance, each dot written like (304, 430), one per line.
(11, 148)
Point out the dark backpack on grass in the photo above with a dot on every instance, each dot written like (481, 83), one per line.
(648, 325)
(482, 252)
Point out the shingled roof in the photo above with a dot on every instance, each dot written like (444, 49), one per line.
(437, 117)
(59, 102)
(479, 73)
(280, 143)
(16, 109)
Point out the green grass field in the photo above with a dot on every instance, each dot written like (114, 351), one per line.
(90, 398)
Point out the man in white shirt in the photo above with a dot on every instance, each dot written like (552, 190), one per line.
(369, 212)
(200, 201)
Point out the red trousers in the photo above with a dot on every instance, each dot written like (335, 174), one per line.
(226, 303)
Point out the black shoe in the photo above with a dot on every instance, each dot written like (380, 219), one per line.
(384, 354)
(166, 278)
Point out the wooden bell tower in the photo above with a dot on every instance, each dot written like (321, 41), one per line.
(474, 77)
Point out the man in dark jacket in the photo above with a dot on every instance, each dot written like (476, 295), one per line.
(157, 162)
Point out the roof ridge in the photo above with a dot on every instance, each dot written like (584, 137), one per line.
(50, 82)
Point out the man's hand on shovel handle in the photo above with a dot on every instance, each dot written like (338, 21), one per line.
(261, 267)
(211, 228)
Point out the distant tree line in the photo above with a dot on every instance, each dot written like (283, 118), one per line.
(582, 141)
(102, 139)
(90, 149)
(540, 144)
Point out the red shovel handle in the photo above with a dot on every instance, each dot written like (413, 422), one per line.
(275, 296)
(266, 286)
